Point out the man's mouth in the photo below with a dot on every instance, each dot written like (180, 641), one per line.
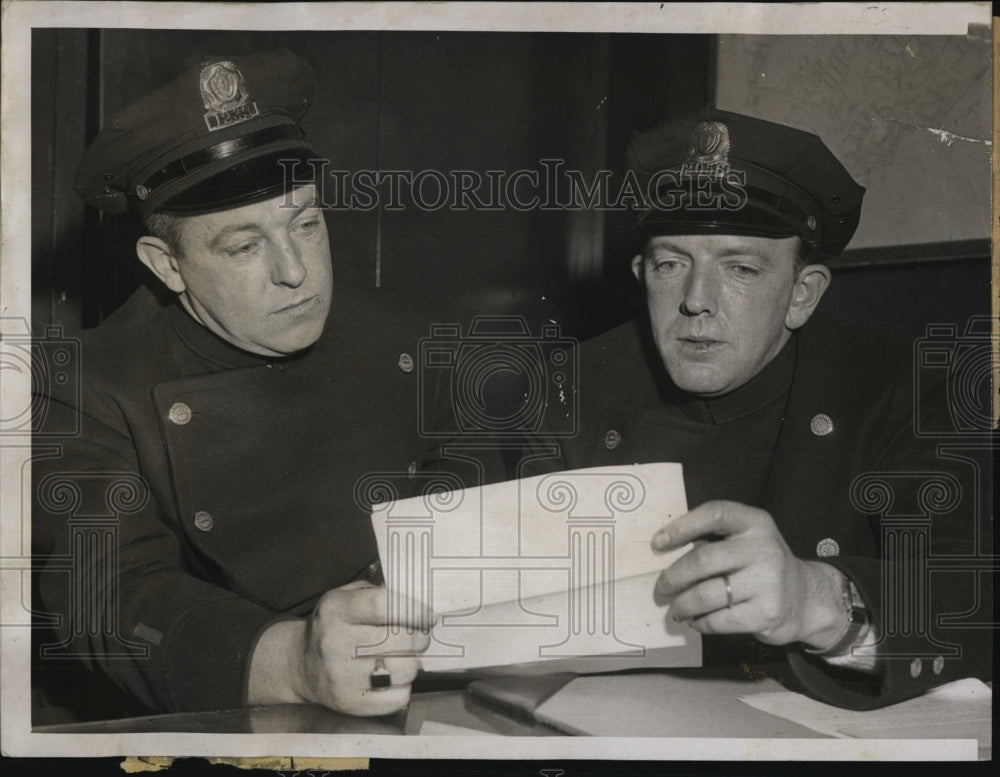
(699, 344)
(301, 305)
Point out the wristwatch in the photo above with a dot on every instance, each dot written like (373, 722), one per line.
(858, 620)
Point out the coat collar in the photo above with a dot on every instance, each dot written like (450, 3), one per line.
(763, 388)
(208, 345)
(221, 354)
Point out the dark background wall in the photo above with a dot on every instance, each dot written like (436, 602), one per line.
(419, 101)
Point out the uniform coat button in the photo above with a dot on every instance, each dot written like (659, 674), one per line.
(827, 547)
(179, 413)
(374, 571)
(612, 439)
(916, 667)
(938, 665)
(821, 425)
(405, 362)
(203, 521)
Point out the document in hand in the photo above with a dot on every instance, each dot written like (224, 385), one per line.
(553, 567)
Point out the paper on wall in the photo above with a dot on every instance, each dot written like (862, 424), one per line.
(555, 567)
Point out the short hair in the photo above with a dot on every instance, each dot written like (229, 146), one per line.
(805, 255)
(167, 228)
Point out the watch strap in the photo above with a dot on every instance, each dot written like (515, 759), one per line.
(857, 619)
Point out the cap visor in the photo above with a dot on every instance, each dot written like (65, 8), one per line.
(752, 219)
(252, 180)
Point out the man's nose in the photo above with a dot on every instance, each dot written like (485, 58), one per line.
(287, 268)
(700, 292)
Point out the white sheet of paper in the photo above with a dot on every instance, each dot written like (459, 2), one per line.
(433, 728)
(960, 709)
(555, 567)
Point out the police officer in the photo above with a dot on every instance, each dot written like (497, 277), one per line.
(238, 402)
(777, 418)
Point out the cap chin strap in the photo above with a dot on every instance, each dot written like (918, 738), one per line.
(228, 148)
(764, 214)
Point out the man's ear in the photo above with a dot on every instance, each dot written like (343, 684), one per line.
(637, 267)
(157, 256)
(809, 288)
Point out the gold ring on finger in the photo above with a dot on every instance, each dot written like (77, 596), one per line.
(729, 590)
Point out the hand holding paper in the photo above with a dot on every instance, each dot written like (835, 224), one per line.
(743, 578)
(556, 566)
(317, 659)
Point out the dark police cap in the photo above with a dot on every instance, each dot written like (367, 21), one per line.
(209, 140)
(733, 174)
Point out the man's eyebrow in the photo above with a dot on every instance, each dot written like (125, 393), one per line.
(225, 232)
(663, 247)
(746, 250)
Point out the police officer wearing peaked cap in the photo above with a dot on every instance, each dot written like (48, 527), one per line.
(247, 406)
(208, 141)
(774, 414)
(783, 182)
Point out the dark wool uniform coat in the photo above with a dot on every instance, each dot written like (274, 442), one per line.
(229, 481)
(864, 385)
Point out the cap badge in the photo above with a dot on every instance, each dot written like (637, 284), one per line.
(225, 96)
(709, 150)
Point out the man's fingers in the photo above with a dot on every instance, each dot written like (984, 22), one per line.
(399, 641)
(371, 606)
(387, 640)
(738, 619)
(384, 700)
(718, 517)
(381, 701)
(403, 671)
(704, 560)
(710, 595)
